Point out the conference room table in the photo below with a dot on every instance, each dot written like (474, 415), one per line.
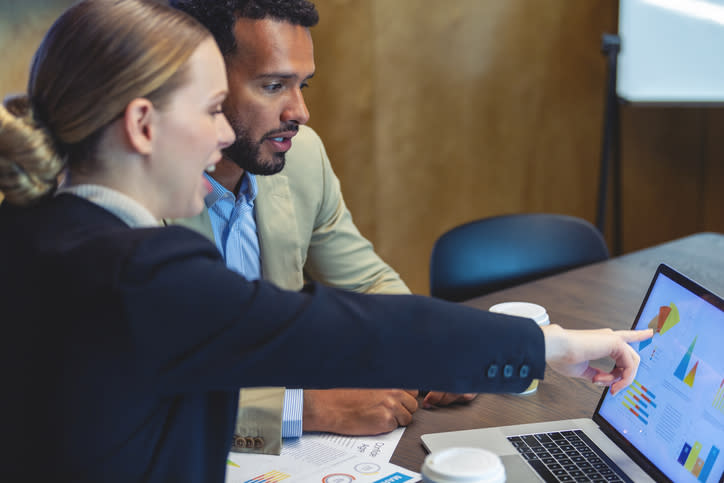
(605, 294)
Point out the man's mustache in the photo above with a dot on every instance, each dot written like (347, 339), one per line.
(293, 127)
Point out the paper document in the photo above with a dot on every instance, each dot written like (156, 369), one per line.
(377, 448)
(328, 458)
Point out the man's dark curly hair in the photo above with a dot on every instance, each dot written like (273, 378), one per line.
(219, 16)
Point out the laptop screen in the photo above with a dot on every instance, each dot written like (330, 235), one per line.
(673, 413)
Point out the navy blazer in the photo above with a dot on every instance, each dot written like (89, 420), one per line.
(124, 349)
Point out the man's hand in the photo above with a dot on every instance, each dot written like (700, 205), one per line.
(434, 398)
(569, 352)
(358, 411)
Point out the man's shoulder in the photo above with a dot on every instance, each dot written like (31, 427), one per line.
(306, 139)
(200, 223)
(307, 150)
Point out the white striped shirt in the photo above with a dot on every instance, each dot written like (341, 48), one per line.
(234, 225)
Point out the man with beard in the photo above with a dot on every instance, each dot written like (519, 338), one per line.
(276, 212)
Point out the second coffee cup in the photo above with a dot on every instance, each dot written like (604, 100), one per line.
(524, 309)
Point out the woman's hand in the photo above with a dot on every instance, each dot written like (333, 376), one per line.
(570, 351)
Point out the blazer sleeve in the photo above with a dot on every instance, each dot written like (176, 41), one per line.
(196, 326)
(259, 421)
(338, 255)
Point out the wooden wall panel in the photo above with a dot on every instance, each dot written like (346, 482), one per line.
(713, 182)
(22, 26)
(663, 164)
(340, 100)
(478, 108)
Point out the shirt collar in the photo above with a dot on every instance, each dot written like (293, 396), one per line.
(133, 213)
(247, 190)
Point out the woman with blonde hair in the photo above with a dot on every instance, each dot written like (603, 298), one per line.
(125, 342)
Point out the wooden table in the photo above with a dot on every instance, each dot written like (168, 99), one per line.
(606, 294)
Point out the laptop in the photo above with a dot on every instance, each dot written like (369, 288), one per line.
(666, 426)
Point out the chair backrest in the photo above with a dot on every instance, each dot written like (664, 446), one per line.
(498, 252)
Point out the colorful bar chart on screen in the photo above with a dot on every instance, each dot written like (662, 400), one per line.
(639, 401)
(689, 458)
(719, 398)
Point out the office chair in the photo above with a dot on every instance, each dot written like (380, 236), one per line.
(501, 251)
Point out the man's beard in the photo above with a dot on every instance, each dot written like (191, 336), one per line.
(246, 153)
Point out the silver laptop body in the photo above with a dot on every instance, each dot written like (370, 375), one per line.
(669, 424)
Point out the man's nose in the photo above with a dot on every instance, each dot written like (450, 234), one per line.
(296, 109)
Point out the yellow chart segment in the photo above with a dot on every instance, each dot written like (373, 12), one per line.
(689, 379)
(671, 320)
(693, 456)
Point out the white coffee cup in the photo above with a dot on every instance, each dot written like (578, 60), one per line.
(531, 311)
(463, 465)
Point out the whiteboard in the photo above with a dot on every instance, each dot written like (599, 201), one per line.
(672, 51)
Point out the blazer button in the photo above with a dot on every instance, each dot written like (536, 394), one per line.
(508, 371)
(524, 371)
(258, 443)
(249, 442)
(492, 370)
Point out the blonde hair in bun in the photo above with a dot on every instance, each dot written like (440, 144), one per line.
(29, 161)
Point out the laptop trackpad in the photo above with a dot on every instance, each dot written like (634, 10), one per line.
(516, 469)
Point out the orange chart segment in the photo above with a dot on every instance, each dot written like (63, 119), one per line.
(658, 321)
(667, 317)
(672, 318)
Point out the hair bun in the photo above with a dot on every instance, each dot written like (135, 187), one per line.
(29, 161)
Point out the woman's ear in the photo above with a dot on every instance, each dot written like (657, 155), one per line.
(138, 126)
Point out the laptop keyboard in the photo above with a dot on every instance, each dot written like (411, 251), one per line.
(567, 456)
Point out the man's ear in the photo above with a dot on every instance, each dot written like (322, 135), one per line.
(138, 125)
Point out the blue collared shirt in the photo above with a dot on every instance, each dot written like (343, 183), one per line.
(234, 224)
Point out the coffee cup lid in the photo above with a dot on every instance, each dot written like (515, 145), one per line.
(464, 465)
(523, 309)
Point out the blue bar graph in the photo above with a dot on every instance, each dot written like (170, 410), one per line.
(709, 463)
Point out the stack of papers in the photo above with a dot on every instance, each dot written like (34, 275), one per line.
(328, 458)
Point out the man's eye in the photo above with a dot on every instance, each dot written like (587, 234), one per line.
(304, 85)
(272, 87)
